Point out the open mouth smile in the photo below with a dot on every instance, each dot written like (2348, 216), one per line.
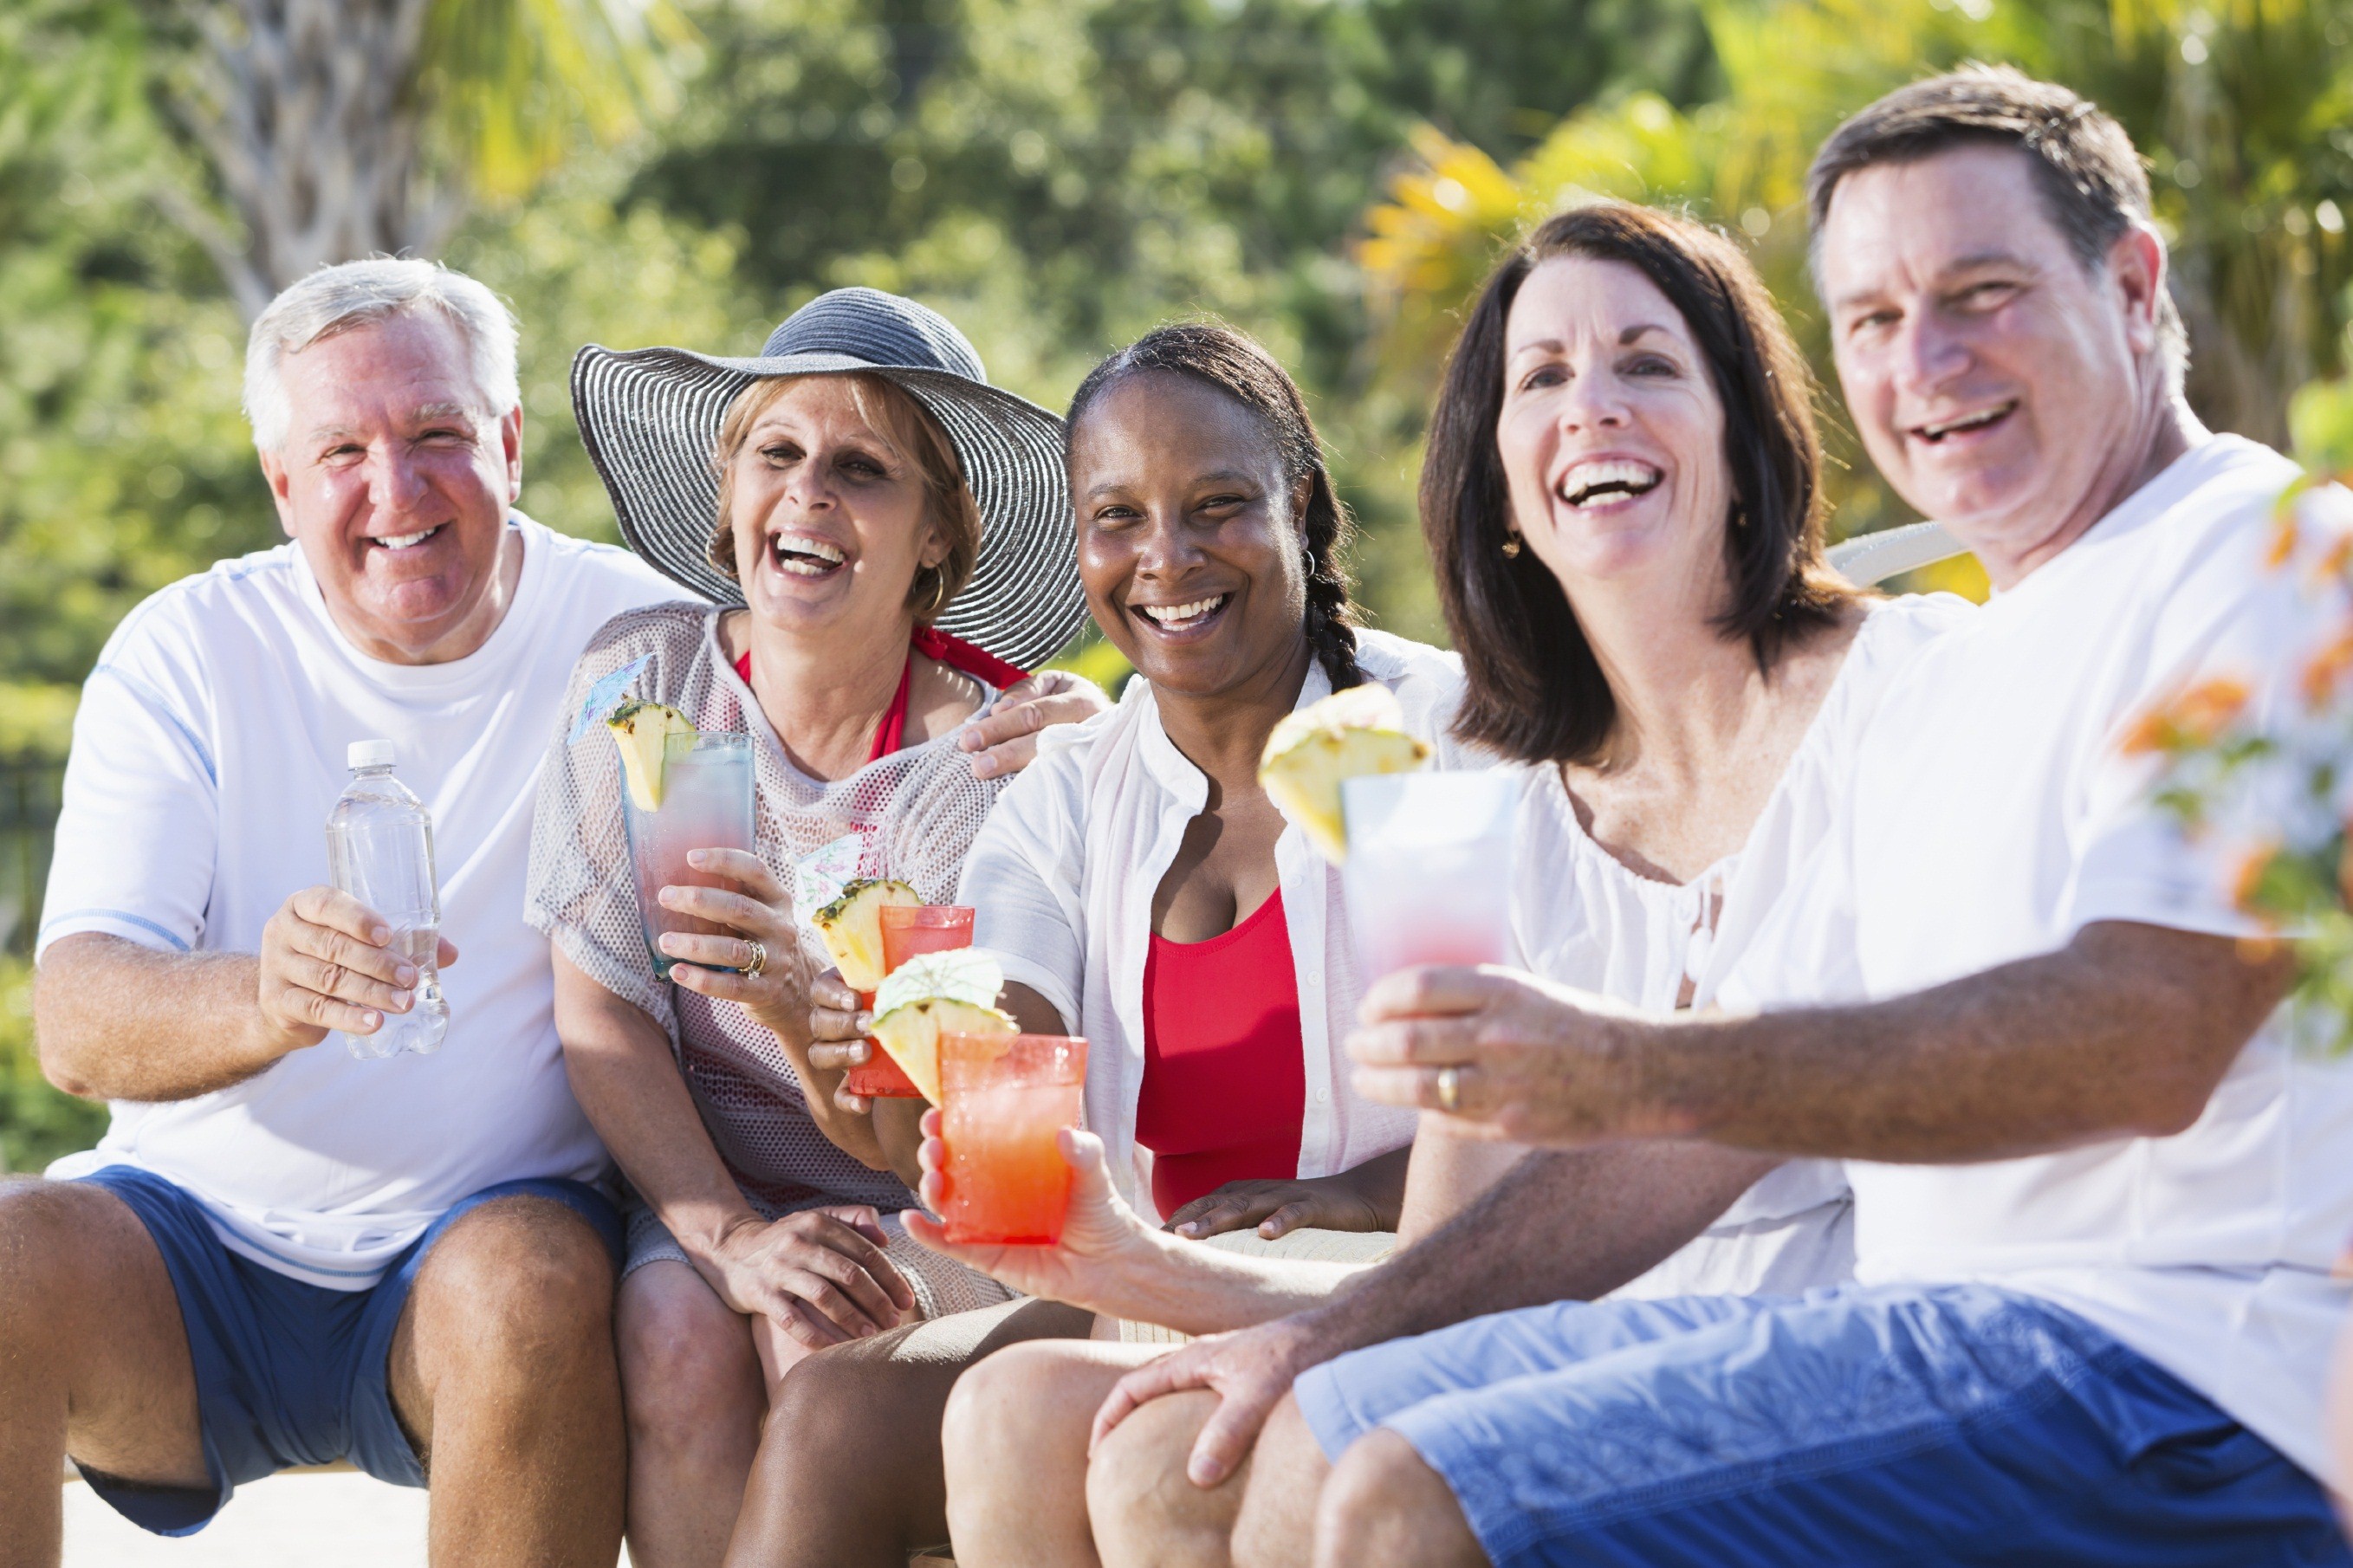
(406, 540)
(1935, 433)
(1607, 482)
(804, 555)
(1189, 617)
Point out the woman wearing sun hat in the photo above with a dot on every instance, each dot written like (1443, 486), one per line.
(886, 539)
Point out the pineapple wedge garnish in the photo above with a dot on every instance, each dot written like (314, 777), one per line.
(651, 737)
(1344, 736)
(938, 994)
(851, 929)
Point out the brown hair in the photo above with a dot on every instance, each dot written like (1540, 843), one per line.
(1534, 689)
(911, 432)
(1219, 357)
(2092, 184)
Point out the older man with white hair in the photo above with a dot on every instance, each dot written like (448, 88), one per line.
(280, 1254)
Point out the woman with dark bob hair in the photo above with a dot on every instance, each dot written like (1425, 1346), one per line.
(1623, 505)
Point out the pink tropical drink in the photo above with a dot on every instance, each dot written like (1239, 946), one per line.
(706, 803)
(1429, 874)
(1008, 1097)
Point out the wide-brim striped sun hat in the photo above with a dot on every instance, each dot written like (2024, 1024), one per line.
(650, 417)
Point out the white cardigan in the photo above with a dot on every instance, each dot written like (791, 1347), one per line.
(1064, 875)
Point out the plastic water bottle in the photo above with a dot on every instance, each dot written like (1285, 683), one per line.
(380, 851)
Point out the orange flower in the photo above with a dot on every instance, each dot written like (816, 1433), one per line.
(2325, 670)
(2248, 879)
(2285, 533)
(2196, 717)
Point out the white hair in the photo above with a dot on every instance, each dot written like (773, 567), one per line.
(354, 294)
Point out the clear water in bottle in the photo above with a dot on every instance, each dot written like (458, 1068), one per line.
(380, 851)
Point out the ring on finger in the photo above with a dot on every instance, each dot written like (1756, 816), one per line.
(758, 961)
(1449, 1088)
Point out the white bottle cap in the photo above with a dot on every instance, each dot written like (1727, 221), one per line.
(368, 755)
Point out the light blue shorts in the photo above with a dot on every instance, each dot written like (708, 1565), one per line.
(1890, 1426)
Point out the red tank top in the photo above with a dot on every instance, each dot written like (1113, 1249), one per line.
(1225, 1087)
(940, 649)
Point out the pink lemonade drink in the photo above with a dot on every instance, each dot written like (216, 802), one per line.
(1007, 1096)
(706, 804)
(1430, 869)
(907, 930)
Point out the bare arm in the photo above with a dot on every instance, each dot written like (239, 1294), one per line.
(821, 1276)
(118, 1021)
(2123, 1032)
(1560, 1225)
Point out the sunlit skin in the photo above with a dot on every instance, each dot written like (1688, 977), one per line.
(1181, 498)
(1601, 369)
(1954, 297)
(813, 471)
(392, 439)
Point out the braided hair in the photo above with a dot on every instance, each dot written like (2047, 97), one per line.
(1221, 358)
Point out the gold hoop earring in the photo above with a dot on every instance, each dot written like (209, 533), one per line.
(939, 594)
(1511, 545)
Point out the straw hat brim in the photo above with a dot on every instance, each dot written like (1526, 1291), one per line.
(650, 417)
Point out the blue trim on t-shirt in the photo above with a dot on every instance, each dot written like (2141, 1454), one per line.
(156, 699)
(125, 916)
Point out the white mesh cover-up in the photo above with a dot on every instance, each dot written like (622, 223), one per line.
(911, 816)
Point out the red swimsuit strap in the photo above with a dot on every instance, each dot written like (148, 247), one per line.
(940, 647)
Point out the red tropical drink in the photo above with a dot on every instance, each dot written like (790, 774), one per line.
(907, 929)
(1007, 1096)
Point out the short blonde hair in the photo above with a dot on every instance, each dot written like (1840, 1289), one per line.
(907, 427)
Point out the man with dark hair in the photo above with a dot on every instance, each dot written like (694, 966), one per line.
(2097, 1192)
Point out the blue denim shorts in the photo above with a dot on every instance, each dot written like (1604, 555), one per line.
(287, 1372)
(1887, 1425)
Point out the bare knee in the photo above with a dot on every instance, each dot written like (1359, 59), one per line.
(62, 1247)
(1142, 1506)
(688, 1375)
(520, 1283)
(1383, 1504)
(999, 1397)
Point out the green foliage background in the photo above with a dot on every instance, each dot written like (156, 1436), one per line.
(1059, 176)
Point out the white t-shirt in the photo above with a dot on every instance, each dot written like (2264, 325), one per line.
(1994, 814)
(207, 755)
(1582, 917)
(1063, 876)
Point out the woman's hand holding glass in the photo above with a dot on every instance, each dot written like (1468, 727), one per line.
(838, 1042)
(773, 990)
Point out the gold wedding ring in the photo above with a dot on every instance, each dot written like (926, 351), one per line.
(1449, 1088)
(759, 959)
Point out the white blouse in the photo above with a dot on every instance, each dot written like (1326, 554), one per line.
(1583, 918)
(1064, 875)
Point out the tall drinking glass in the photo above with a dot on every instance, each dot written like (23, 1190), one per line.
(1428, 879)
(1007, 1096)
(907, 929)
(706, 804)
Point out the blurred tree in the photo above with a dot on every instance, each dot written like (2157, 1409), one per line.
(1061, 175)
(335, 129)
(2241, 109)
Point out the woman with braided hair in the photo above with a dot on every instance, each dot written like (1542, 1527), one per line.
(1139, 888)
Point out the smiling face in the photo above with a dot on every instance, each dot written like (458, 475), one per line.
(1189, 539)
(1612, 433)
(395, 480)
(2004, 388)
(831, 521)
